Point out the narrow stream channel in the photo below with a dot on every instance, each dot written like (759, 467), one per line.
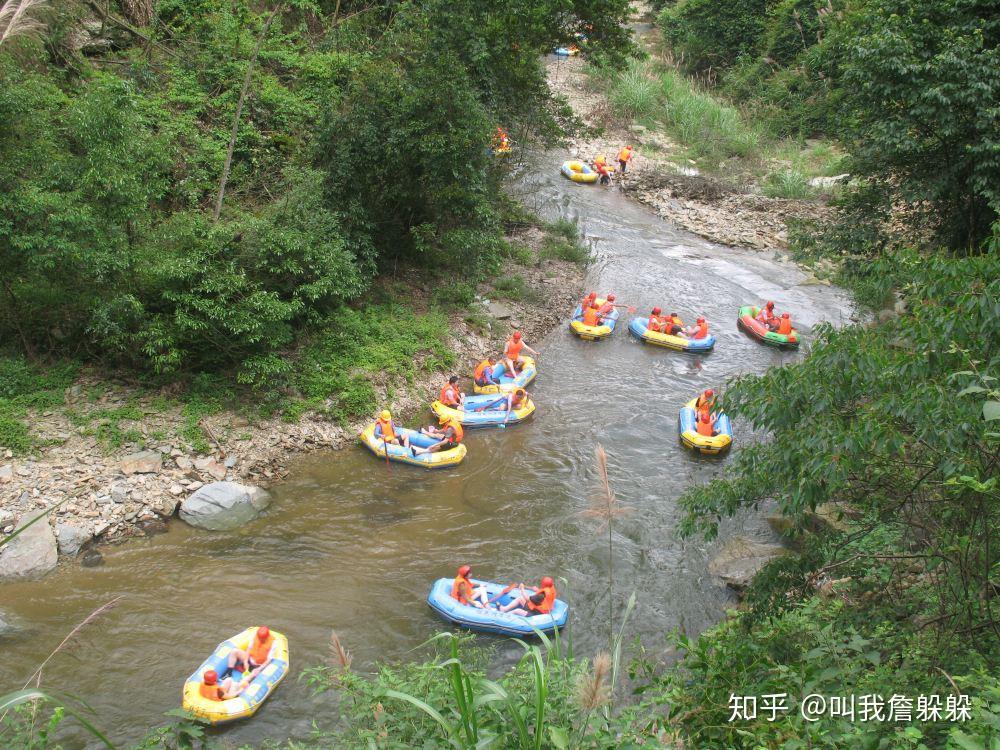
(349, 545)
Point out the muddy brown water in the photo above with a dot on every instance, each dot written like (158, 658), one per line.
(350, 545)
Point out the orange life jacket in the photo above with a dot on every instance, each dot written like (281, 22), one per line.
(785, 326)
(480, 372)
(456, 588)
(546, 606)
(654, 323)
(449, 396)
(513, 349)
(763, 314)
(212, 692)
(517, 398)
(457, 427)
(625, 154)
(704, 404)
(258, 651)
(704, 426)
(590, 317)
(702, 331)
(388, 434)
(606, 308)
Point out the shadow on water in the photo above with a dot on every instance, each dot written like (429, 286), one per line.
(349, 545)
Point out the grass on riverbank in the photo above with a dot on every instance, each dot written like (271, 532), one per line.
(714, 135)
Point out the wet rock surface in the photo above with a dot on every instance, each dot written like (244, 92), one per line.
(32, 553)
(222, 506)
(740, 559)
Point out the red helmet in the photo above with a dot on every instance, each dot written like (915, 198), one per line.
(611, 298)
(465, 570)
(701, 320)
(547, 581)
(263, 632)
(592, 295)
(784, 315)
(769, 304)
(517, 335)
(656, 311)
(704, 416)
(709, 392)
(210, 677)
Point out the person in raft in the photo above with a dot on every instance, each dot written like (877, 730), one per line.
(538, 603)
(608, 306)
(766, 314)
(706, 424)
(624, 157)
(464, 592)
(588, 300)
(698, 331)
(386, 429)
(450, 395)
(674, 326)
(256, 657)
(783, 325)
(484, 372)
(592, 316)
(449, 435)
(655, 322)
(512, 353)
(212, 689)
(706, 402)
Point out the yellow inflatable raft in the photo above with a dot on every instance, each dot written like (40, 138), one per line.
(579, 172)
(246, 703)
(437, 460)
(593, 333)
(486, 410)
(690, 436)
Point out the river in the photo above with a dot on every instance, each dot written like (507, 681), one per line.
(352, 546)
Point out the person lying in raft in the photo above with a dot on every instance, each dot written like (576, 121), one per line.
(256, 657)
(538, 603)
(698, 331)
(508, 401)
(706, 424)
(449, 435)
(484, 372)
(450, 395)
(464, 592)
(386, 429)
(512, 353)
(212, 689)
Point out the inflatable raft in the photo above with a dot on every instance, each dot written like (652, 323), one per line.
(703, 443)
(437, 460)
(246, 703)
(747, 320)
(495, 413)
(508, 383)
(492, 620)
(570, 51)
(593, 333)
(578, 171)
(637, 327)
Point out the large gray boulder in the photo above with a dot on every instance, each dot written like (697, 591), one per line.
(32, 553)
(221, 506)
(740, 559)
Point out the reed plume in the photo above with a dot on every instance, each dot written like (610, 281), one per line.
(19, 18)
(592, 689)
(339, 658)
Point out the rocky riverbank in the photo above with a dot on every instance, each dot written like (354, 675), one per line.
(724, 211)
(109, 494)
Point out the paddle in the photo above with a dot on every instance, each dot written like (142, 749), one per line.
(506, 589)
(385, 448)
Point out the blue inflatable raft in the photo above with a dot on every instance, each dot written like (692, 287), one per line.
(637, 327)
(690, 436)
(594, 333)
(494, 411)
(492, 620)
(506, 382)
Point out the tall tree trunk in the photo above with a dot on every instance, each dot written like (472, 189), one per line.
(239, 111)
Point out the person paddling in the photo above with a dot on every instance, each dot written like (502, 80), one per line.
(540, 602)
(512, 353)
(484, 373)
(463, 590)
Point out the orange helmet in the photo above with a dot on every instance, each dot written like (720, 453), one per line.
(701, 320)
(465, 570)
(517, 336)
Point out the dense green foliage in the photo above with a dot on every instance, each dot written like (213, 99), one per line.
(363, 138)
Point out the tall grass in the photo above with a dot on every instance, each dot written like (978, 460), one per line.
(634, 92)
